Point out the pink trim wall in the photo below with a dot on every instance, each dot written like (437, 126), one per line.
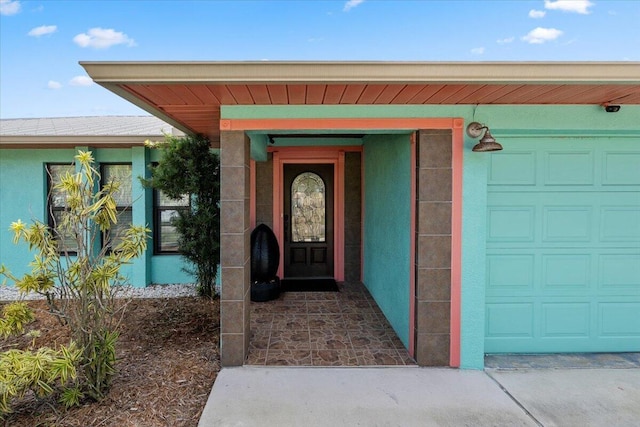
(412, 243)
(456, 239)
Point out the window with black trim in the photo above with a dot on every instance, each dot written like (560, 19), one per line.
(165, 210)
(122, 174)
(56, 204)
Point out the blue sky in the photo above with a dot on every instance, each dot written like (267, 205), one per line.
(42, 41)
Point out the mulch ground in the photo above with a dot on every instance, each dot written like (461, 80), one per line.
(167, 362)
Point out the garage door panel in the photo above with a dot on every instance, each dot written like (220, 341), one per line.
(566, 274)
(512, 272)
(566, 320)
(509, 320)
(620, 273)
(514, 168)
(621, 168)
(567, 223)
(563, 247)
(568, 168)
(620, 223)
(511, 224)
(619, 319)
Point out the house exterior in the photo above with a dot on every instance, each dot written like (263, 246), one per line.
(531, 249)
(30, 149)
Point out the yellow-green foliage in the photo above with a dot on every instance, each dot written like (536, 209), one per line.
(14, 318)
(80, 290)
(42, 371)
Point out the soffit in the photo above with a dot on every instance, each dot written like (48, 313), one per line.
(189, 94)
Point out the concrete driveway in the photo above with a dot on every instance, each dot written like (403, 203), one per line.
(413, 396)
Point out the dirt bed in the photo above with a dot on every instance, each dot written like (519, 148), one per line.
(167, 362)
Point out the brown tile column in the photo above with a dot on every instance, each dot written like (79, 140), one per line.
(264, 192)
(235, 247)
(433, 254)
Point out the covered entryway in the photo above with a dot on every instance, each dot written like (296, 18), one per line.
(563, 247)
(380, 194)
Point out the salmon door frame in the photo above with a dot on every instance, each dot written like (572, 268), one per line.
(316, 155)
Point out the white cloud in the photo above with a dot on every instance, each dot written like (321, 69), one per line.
(477, 50)
(42, 30)
(536, 14)
(575, 6)
(506, 40)
(8, 7)
(541, 35)
(100, 38)
(54, 84)
(351, 4)
(81, 81)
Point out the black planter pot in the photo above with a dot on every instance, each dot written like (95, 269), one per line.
(265, 291)
(265, 254)
(265, 258)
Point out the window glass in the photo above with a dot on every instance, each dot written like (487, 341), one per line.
(121, 174)
(56, 203)
(168, 233)
(166, 210)
(56, 173)
(164, 200)
(125, 219)
(308, 208)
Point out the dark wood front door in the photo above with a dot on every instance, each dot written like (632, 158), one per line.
(308, 220)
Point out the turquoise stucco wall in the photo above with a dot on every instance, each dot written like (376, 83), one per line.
(23, 195)
(386, 231)
(23, 187)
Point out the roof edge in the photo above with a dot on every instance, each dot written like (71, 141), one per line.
(122, 72)
(60, 141)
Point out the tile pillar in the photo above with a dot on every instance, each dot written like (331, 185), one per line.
(235, 247)
(433, 252)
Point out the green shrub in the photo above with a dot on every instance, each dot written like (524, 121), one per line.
(189, 167)
(80, 288)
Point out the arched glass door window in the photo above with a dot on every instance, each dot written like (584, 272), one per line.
(308, 208)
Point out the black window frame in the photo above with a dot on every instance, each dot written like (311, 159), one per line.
(52, 209)
(157, 223)
(119, 208)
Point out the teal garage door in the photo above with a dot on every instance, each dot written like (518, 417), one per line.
(563, 247)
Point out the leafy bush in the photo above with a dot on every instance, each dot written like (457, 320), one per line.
(80, 289)
(189, 167)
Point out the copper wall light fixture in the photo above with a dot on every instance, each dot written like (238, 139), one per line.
(487, 142)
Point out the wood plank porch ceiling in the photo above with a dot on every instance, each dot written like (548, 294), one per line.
(193, 102)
